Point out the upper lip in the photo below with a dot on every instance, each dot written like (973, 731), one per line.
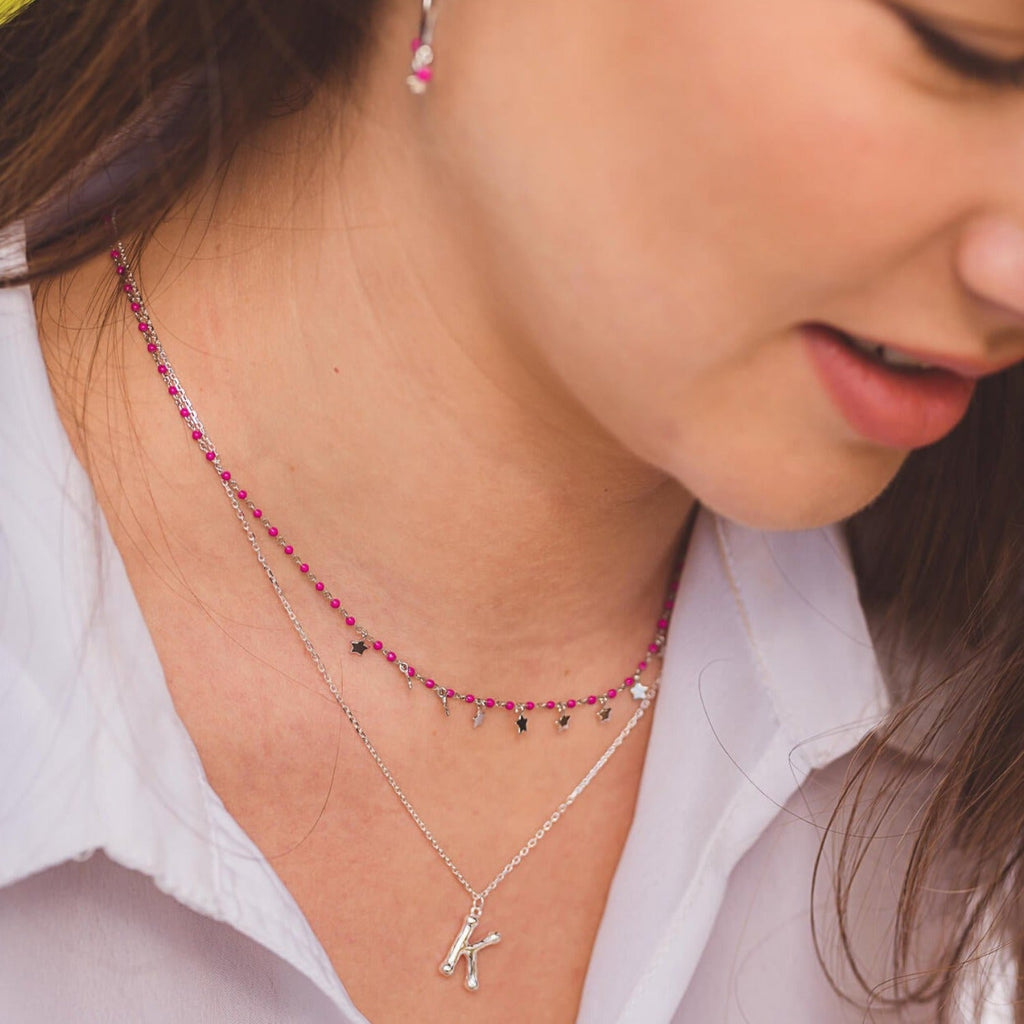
(962, 366)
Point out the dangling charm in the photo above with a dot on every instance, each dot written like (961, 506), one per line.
(422, 58)
(423, 52)
(562, 721)
(463, 948)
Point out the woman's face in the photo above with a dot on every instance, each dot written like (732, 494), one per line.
(669, 192)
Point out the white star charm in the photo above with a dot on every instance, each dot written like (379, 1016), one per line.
(639, 691)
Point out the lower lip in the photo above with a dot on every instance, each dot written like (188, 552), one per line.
(889, 407)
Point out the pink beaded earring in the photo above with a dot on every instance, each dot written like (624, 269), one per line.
(423, 51)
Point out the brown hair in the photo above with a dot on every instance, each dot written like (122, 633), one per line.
(144, 98)
(940, 565)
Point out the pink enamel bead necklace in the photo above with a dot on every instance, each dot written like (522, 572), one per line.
(366, 641)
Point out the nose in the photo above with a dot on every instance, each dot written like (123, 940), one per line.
(990, 263)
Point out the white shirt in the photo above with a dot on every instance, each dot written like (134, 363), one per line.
(127, 892)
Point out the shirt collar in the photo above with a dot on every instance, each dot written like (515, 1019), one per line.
(769, 673)
(92, 752)
(796, 596)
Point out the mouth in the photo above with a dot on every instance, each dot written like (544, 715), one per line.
(893, 358)
(890, 396)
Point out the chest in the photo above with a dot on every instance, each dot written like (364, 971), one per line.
(382, 901)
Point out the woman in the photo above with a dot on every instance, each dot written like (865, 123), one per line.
(478, 325)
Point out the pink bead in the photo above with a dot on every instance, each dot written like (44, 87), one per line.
(415, 44)
(144, 327)
(120, 268)
(319, 585)
(429, 683)
(570, 703)
(211, 456)
(509, 706)
(335, 603)
(115, 254)
(670, 604)
(489, 702)
(350, 620)
(128, 287)
(411, 672)
(391, 656)
(184, 414)
(151, 347)
(470, 699)
(550, 704)
(136, 306)
(424, 74)
(449, 693)
(304, 567)
(377, 645)
(662, 623)
(612, 694)
(529, 705)
(272, 531)
(591, 699)
(172, 391)
(641, 665)
(245, 494)
(225, 475)
(628, 681)
(161, 368)
(653, 648)
(197, 435)
(258, 513)
(288, 549)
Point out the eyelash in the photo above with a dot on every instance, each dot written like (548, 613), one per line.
(963, 60)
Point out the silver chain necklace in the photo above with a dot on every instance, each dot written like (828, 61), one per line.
(462, 946)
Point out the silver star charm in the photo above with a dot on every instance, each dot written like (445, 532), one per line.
(478, 718)
(639, 691)
(562, 722)
(604, 713)
(521, 723)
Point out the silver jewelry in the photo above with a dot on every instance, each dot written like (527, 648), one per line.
(422, 47)
(462, 947)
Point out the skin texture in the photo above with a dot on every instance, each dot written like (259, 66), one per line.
(477, 352)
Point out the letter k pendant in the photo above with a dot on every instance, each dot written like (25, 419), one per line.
(462, 947)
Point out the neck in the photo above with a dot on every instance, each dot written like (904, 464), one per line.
(405, 434)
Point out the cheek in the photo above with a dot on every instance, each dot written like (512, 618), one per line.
(677, 147)
(710, 176)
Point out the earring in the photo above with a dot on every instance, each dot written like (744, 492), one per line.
(423, 51)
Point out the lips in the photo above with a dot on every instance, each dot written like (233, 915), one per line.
(892, 403)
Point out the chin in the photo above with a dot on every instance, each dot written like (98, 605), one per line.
(794, 491)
